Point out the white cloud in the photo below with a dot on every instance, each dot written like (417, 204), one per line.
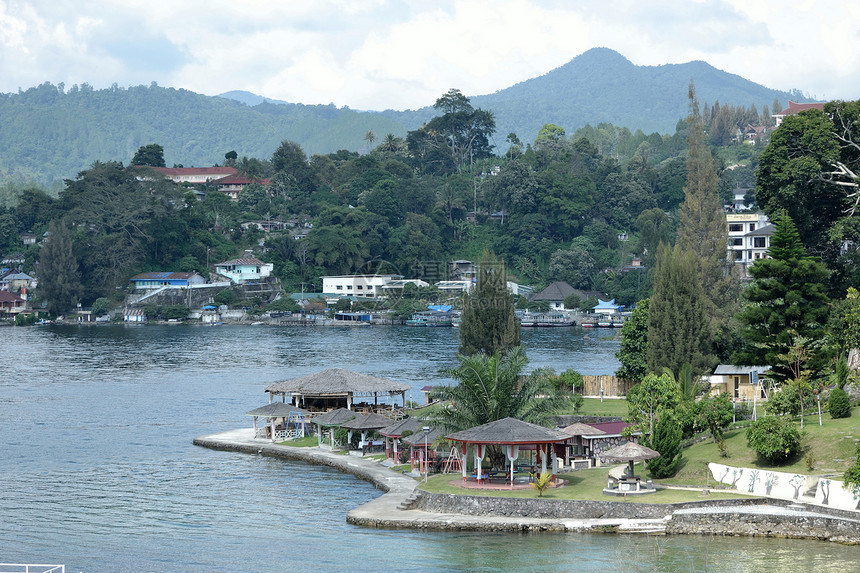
(374, 54)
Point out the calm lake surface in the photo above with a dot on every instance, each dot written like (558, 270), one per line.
(98, 472)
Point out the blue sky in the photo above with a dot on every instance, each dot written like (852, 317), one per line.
(378, 54)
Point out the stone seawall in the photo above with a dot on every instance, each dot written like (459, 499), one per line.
(800, 526)
(561, 508)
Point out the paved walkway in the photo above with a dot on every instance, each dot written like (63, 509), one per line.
(389, 509)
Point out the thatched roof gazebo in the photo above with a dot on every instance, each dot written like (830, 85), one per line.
(629, 452)
(364, 423)
(329, 421)
(393, 432)
(580, 429)
(276, 410)
(510, 434)
(339, 387)
(575, 449)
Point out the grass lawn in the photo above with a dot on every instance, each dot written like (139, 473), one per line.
(306, 442)
(582, 485)
(832, 446)
(609, 407)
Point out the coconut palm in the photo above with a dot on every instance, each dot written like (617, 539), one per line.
(490, 388)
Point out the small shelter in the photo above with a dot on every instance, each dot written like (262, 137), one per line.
(393, 432)
(629, 482)
(287, 413)
(422, 448)
(576, 447)
(364, 423)
(337, 387)
(607, 307)
(510, 434)
(328, 422)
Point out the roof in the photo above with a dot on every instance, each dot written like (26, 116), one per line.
(580, 429)
(6, 296)
(724, 369)
(366, 422)
(237, 179)
(631, 451)
(558, 290)
(607, 304)
(508, 431)
(277, 410)
(163, 275)
(18, 277)
(179, 171)
(420, 438)
(608, 429)
(250, 261)
(396, 429)
(335, 417)
(794, 107)
(764, 230)
(336, 381)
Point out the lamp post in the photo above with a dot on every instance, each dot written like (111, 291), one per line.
(426, 430)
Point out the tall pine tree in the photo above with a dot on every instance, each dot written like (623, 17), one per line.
(488, 324)
(678, 327)
(59, 277)
(786, 300)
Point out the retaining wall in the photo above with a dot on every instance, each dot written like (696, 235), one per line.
(791, 526)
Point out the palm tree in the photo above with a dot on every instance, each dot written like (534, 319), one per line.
(490, 388)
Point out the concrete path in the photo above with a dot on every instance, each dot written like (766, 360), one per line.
(391, 510)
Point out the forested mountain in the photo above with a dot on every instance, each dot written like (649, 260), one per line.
(49, 133)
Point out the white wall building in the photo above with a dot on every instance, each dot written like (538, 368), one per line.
(366, 286)
(749, 238)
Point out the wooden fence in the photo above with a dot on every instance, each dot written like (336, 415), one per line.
(612, 386)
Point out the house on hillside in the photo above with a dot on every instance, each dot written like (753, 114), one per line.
(744, 383)
(161, 279)
(233, 185)
(195, 175)
(794, 108)
(555, 294)
(10, 304)
(244, 269)
(749, 238)
(363, 286)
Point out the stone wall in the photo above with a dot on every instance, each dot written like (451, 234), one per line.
(792, 526)
(554, 509)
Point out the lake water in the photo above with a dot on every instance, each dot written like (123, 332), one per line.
(98, 472)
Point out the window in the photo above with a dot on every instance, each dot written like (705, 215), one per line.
(738, 241)
(359, 287)
(339, 287)
(736, 228)
(752, 226)
(348, 287)
(739, 255)
(759, 242)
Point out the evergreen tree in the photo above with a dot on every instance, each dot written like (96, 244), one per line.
(667, 441)
(633, 351)
(678, 329)
(702, 225)
(59, 278)
(786, 301)
(151, 155)
(488, 324)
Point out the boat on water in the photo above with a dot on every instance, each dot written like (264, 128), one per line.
(546, 319)
(432, 318)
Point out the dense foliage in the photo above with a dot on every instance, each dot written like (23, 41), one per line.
(487, 322)
(774, 439)
(667, 441)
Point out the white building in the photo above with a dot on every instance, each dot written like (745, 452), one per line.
(366, 286)
(244, 269)
(749, 238)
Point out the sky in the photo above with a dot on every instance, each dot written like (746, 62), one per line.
(387, 54)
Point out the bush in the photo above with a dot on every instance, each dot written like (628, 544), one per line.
(786, 402)
(667, 441)
(839, 404)
(101, 306)
(774, 439)
(225, 297)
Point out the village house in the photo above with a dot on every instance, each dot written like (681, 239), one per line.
(10, 304)
(749, 238)
(162, 279)
(244, 269)
(794, 108)
(742, 383)
(363, 286)
(195, 175)
(233, 185)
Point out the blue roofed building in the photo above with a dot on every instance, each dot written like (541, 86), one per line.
(161, 279)
(607, 307)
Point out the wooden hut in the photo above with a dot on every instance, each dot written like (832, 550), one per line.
(339, 388)
(327, 424)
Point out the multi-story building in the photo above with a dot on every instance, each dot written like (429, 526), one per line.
(749, 238)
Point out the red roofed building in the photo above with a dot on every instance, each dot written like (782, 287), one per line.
(10, 304)
(794, 108)
(195, 175)
(233, 185)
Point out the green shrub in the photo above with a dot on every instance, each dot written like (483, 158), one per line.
(839, 404)
(101, 306)
(774, 439)
(667, 441)
(225, 297)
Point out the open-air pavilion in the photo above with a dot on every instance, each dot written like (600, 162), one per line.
(627, 482)
(422, 446)
(394, 431)
(510, 434)
(339, 388)
(293, 421)
(365, 423)
(327, 424)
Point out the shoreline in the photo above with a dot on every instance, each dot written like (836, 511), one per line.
(403, 505)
